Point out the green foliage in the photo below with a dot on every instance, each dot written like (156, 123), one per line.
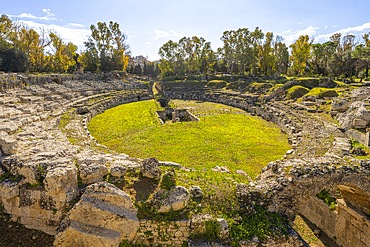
(64, 120)
(247, 142)
(211, 231)
(106, 48)
(322, 92)
(168, 180)
(13, 60)
(325, 196)
(217, 83)
(301, 49)
(42, 173)
(259, 87)
(296, 92)
(8, 176)
(261, 224)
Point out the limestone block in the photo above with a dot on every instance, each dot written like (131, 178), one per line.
(28, 171)
(8, 127)
(117, 170)
(92, 173)
(359, 123)
(175, 199)
(81, 235)
(8, 144)
(9, 190)
(196, 192)
(363, 113)
(224, 228)
(61, 180)
(104, 213)
(150, 168)
(340, 105)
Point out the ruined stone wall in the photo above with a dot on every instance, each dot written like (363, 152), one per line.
(351, 228)
(361, 137)
(173, 233)
(317, 212)
(40, 167)
(21, 80)
(345, 225)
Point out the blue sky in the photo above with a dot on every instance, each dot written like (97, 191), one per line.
(149, 23)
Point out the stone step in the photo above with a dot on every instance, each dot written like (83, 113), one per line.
(79, 234)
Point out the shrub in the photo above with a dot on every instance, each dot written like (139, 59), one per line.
(259, 87)
(327, 198)
(322, 93)
(217, 83)
(296, 92)
(211, 231)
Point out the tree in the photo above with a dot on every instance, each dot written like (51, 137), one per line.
(300, 54)
(170, 61)
(362, 54)
(13, 60)
(266, 58)
(342, 62)
(281, 54)
(106, 49)
(63, 55)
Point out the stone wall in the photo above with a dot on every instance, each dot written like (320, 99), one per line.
(317, 212)
(345, 225)
(173, 233)
(351, 228)
(40, 166)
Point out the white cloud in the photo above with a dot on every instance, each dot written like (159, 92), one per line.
(69, 34)
(291, 36)
(48, 17)
(349, 30)
(177, 35)
(326, 26)
(160, 34)
(287, 31)
(25, 15)
(148, 43)
(76, 25)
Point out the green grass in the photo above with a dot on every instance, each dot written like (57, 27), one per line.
(296, 92)
(323, 92)
(224, 136)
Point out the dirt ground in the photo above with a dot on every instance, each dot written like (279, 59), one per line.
(16, 235)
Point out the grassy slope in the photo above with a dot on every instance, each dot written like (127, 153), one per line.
(225, 136)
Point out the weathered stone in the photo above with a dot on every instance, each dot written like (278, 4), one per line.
(224, 229)
(117, 170)
(62, 180)
(8, 144)
(82, 110)
(150, 168)
(104, 214)
(223, 169)
(92, 173)
(175, 199)
(196, 192)
(359, 123)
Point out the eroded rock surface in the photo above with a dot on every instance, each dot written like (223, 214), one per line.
(104, 216)
(174, 199)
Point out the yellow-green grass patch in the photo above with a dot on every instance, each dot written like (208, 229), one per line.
(224, 136)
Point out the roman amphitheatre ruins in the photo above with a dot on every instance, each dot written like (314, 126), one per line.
(58, 179)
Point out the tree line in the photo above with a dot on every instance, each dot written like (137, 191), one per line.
(244, 52)
(247, 52)
(23, 49)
